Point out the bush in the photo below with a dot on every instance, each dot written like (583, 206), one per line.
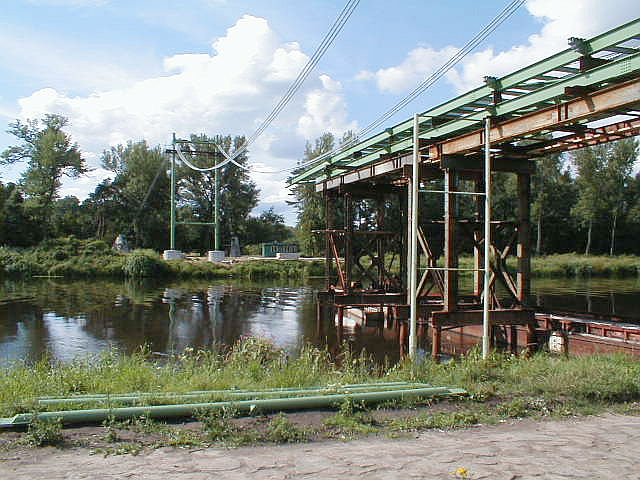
(144, 263)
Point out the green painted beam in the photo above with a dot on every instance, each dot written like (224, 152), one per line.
(545, 96)
(535, 71)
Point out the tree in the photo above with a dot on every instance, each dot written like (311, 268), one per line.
(266, 227)
(604, 175)
(548, 184)
(50, 155)
(589, 163)
(16, 228)
(308, 203)
(138, 196)
(238, 193)
(621, 156)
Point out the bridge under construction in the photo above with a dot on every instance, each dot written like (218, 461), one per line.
(583, 96)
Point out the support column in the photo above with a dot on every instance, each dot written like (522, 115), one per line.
(380, 242)
(216, 209)
(413, 238)
(478, 262)
(524, 229)
(328, 217)
(450, 247)
(348, 239)
(486, 320)
(172, 238)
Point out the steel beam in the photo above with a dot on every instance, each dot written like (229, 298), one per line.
(387, 141)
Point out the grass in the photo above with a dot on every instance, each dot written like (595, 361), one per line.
(501, 388)
(71, 257)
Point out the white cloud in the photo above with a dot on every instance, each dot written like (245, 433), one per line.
(325, 111)
(227, 91)
(419, 64)
(559, 19)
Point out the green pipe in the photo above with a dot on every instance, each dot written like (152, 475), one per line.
(244, 394)
(232, 390)
(186, 410)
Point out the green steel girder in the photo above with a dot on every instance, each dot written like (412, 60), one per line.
(398, 138)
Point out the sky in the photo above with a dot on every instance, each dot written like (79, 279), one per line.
(142, 69)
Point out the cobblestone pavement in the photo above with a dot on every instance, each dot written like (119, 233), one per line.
(604, 447)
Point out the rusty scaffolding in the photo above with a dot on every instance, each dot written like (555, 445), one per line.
(586, 95)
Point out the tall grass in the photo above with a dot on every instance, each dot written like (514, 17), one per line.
(256, 364)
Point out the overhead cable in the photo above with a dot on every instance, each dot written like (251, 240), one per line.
(507, 12)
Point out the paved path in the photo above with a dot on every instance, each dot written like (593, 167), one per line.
(606, 447)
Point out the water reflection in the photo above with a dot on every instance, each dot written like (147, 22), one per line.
(67, 319)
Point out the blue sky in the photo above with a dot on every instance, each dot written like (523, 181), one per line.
(128, 70)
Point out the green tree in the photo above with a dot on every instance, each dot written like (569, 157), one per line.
(266, 227)
(308, 203)
(50, 155)
(238, 193)
(16, 228)
(603, 176)
(621, 156)
(138, 196)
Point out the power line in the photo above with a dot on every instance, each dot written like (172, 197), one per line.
(507, 12)
(326, 42)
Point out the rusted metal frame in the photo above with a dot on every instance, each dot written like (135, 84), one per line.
(501, 268)
(438, 279)
(336, 256)
(329, 218)
(348, 240)
(612, 98)
(499, 317)
(590, 137)
(380, 203)
(357, 258)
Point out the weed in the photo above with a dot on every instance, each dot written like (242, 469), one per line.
(125, 448)
(44, 433)
(281, 430)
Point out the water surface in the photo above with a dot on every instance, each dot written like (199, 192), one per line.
(67, 319)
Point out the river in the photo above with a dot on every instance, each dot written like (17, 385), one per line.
(69, 319)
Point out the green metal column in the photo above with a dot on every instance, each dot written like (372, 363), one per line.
(172, 243)
(217, 204)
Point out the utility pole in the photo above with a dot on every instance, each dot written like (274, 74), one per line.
(216, 215)
(172, 243)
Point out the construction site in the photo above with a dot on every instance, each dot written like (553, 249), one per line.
(400, 264)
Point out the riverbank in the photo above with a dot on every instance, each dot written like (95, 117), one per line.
(73, 258)
(499, 389)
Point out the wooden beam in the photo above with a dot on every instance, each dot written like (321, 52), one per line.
(615, 98)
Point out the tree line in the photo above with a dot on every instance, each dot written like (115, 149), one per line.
(135, 201)
(585, 201)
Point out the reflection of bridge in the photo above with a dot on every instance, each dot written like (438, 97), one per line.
(586, 95)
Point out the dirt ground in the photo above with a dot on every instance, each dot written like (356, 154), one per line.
(604, 447)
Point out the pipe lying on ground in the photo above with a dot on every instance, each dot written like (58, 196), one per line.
(187, 410)
(240, 394)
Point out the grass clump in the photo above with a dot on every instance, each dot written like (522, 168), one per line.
(44, 433)
(281, 430)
